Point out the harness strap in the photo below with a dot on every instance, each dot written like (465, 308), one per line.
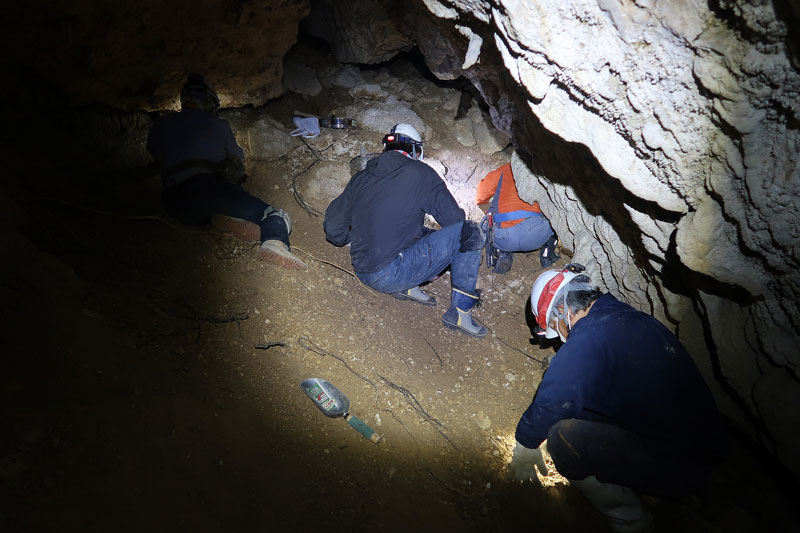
(514, 215)
(511, 215)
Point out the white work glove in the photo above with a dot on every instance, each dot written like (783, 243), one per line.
(308, 127)
(523, 463)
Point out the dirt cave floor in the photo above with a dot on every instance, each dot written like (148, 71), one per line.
(155, 381)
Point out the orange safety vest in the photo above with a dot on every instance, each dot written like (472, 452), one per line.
(509, 199)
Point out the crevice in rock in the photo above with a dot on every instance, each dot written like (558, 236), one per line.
(789, 12)
(742, 245)
(678, 278)
(765, 442)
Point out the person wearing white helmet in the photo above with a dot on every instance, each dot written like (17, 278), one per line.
(622, 406)
(202, 168)
(381, 215)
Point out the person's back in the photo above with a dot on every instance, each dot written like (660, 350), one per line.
(512, 224)
(191, 135)
(202, 168)
(385, 205)
(509, 200)
(381, 214)
(640, 377)
(622, 405)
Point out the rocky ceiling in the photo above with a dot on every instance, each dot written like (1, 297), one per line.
(661, 138)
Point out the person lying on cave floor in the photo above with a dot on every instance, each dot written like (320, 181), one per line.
(512, 224)
(622, 405)
(381, 214)
(202, 168)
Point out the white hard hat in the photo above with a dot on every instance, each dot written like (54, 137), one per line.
(408, 130)
(406, 137)
(543, 295)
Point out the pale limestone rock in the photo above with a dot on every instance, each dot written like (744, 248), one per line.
(382, 116)
(489, 139)
(462, 130)
(301, 79)
(474, 47)
(265, 139)
(324, 182)
(348, 77)
(368, 92)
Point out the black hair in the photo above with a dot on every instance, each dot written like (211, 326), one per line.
(580, 299)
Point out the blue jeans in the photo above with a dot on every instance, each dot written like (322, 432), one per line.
(525, 236)
(582, 448)
(427, 258)
(200, 197)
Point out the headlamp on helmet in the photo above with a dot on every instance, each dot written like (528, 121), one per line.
(404, 137)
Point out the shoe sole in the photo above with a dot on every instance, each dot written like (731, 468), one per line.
(271, 256)
(400, 296)
(549, 260)
(456, 327)
(239, 228)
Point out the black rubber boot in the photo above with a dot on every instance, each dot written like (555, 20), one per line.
(503, 264)
(547, 253)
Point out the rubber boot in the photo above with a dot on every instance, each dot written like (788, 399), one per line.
(503, 264)
(620, 505)
(547, 253)
(415, 294)
(459, 315)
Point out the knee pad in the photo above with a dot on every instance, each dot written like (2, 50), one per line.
(272, 212)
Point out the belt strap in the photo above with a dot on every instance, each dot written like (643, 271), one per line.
(514, 215)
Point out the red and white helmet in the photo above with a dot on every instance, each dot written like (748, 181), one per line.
(544, 292)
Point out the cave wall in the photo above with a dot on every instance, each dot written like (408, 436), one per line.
(660, 138)
(674, 174)
(690, 111)
(135, 54)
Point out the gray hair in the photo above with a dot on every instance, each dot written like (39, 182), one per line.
(580, 294)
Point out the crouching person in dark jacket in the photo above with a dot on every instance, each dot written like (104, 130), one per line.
(381, 214)
(201, 166)
(622, 405)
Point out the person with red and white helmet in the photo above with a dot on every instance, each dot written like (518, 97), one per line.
(381, 215)
(622, 406)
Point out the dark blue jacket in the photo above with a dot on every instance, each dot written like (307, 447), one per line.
(382, 209)
(190, 136)
(623, 367)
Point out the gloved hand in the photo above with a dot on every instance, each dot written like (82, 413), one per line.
(523, 462)
(308, 127)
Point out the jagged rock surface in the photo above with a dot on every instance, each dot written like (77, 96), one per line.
(359, 31)
(685, 203)
(135, 55)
